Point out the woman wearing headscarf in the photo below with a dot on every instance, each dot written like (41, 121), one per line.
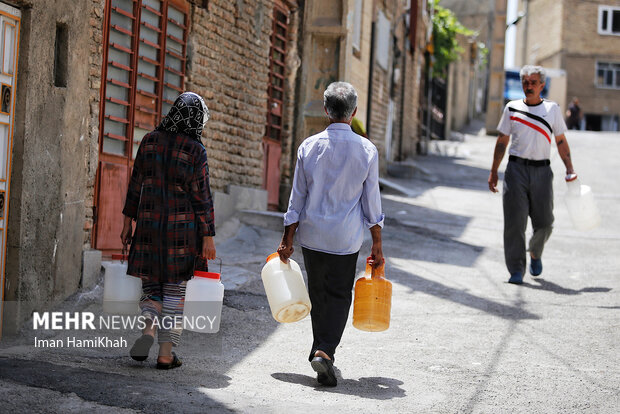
(170, 200)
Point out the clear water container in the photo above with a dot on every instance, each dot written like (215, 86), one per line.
(204, 295)
(286, 291)
(581, 206)
(373, 300)
(121, 292)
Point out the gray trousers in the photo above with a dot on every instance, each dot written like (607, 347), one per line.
(528, 191)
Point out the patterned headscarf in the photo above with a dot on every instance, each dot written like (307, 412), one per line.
(188, 115)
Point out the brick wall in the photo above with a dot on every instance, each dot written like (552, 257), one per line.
(230, 68)
(581, 35)
(581, 83)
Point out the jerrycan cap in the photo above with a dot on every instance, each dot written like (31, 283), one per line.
(207, 275)
(272, 256)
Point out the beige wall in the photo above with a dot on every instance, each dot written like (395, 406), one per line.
(357, 71)
(545, 28)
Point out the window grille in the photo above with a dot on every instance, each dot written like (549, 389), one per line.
(277, 74)
(144, 69)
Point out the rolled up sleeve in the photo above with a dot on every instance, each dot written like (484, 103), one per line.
(297, 201)
(371, 196)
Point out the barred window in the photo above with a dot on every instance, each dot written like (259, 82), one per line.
(144, 70)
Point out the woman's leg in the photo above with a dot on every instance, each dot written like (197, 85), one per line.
(172, 320)
(150, 304)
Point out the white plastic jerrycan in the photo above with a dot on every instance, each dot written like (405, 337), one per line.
(286, 290)
(204, 295)
(121, 292)
(581, 206)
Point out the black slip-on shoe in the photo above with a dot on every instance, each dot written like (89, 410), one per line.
(325, 371)
(176, 362)
(140, 349)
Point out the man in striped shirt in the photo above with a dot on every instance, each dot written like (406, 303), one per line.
(528, 191)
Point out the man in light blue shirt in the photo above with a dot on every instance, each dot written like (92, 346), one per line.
(335, 197)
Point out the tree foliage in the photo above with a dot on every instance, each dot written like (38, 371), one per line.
(446, 48)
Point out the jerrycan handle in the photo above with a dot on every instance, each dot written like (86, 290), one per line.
(374, 270)
(123, 257)
(218, 258)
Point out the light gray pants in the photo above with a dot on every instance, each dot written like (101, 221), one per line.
(528, 191)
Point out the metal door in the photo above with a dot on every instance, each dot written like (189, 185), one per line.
(144, 68)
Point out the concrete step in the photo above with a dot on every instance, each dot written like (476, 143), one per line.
(272, 220)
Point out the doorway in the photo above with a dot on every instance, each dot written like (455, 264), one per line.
(145, 44)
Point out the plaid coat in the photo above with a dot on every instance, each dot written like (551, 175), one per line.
(170, 199)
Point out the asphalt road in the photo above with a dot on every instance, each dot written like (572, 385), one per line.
(461, 338)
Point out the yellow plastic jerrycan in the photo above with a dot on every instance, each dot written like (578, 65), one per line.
(373, 300)
(286, 290)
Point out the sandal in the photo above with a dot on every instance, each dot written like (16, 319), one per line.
(176, 362)
(140, 349)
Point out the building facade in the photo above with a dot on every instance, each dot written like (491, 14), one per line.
(83, 81)
(88, 80)
(583, 39)
(376, 45)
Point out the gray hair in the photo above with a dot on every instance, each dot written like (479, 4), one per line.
(529, 70)
(340, 100)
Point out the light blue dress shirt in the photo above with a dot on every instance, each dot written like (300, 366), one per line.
(335, 195)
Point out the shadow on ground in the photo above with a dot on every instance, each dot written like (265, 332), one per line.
(159, 394)
(374, 388)
(546, 285)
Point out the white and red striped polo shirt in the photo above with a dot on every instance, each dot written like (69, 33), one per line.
(531, 128)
